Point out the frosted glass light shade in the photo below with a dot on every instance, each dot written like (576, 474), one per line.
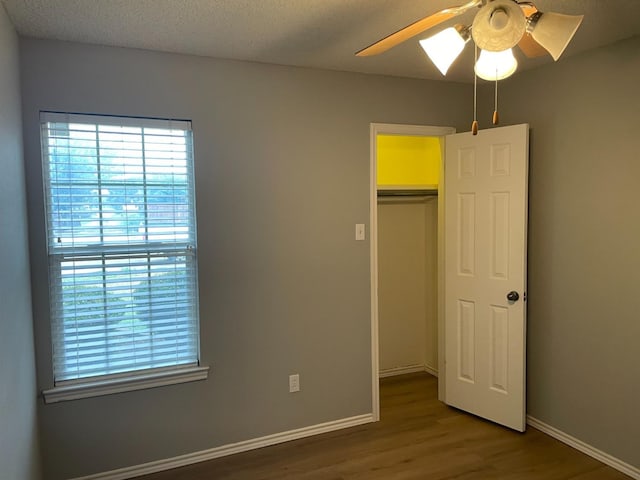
(496, 65)
(554, 31)
(444, 47)
(498, 25)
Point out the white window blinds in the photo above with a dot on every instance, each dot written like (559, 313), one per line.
(121, 233)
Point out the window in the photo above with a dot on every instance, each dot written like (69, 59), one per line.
(121, 242)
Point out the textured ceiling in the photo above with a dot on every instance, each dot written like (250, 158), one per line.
(313, 33)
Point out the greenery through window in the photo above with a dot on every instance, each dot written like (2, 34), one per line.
(121, 238)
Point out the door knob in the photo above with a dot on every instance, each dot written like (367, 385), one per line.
(513, 296)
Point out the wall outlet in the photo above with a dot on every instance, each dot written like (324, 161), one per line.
(294, 383)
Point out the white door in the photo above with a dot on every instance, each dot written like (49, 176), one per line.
(485, 270)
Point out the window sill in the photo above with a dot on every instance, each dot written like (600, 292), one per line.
(125, 384)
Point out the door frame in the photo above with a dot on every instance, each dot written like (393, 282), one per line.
(411, 130)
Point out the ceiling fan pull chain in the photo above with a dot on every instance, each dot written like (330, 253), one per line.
(496, 117)
(474, 125)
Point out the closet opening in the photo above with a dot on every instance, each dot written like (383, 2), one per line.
(406, 171)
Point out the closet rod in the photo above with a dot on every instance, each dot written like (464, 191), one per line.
(407, 193)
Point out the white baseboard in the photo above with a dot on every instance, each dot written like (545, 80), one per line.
(391, 372)
(431, 370)
(224, 450)
(585, 448)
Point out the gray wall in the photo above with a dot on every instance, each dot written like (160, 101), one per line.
(584, 244)
(19, 457)
(282, 176)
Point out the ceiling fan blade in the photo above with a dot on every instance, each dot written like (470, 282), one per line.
(416, 28)
(528, 9)
(530, 47)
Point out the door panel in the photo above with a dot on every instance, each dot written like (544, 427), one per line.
(485, 259)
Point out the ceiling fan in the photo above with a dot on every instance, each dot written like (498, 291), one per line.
(498, 26)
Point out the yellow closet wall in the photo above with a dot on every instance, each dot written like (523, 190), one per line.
(408, 161)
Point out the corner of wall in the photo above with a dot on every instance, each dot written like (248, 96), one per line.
(19, 441)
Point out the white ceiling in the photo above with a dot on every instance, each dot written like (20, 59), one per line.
(312, 33)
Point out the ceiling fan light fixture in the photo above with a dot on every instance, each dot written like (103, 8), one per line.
(553, 31)
(444, 47)
(498, 25)
(496, 65)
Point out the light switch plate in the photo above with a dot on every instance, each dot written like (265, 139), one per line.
(294, 383)
(360, 231)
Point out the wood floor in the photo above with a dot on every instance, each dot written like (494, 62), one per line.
(417, 438)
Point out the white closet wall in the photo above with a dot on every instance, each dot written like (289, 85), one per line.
(407, 284)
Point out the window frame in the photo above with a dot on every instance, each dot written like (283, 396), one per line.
(142, 378)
